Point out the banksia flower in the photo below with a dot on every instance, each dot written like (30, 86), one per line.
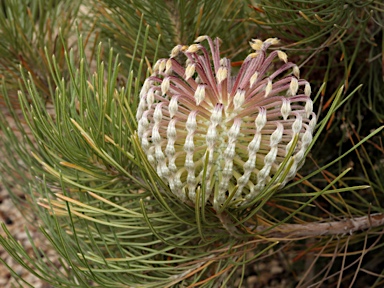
(221, 136)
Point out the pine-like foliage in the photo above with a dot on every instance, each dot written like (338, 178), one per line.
(77, 150)
(28, 32)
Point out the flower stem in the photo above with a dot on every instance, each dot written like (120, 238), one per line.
(228, 225)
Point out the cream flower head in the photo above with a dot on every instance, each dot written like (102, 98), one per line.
(221, 136)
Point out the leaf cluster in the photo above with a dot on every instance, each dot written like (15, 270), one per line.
(338, 42)
(176, 22)
(27, 30)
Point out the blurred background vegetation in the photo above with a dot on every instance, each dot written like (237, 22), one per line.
(71, 72)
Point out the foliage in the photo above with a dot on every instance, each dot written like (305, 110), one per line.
(341, 41)
(177, 22)
(28, 30)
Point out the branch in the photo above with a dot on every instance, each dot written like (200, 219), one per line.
(288, 231)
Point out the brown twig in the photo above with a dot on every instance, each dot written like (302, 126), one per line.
(314, 229)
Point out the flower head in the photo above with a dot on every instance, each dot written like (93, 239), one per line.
(199, 124)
